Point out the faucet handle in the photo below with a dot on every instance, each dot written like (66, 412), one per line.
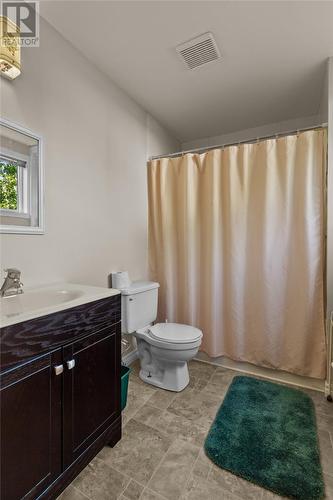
(12, 272)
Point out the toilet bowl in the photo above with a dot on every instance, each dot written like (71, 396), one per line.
(164, 348)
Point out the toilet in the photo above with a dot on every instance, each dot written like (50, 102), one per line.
(164, 348)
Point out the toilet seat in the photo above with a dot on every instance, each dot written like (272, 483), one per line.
(164, 336)
(175, 333)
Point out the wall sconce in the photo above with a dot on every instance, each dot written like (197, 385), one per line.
(10, 49)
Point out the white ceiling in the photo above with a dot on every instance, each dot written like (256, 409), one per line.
(272, 69)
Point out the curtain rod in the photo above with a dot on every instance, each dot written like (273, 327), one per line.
(247, 141)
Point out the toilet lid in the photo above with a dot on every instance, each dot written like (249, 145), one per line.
(175, 333)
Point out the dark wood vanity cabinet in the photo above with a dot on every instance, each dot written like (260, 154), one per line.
(30, 427)
(60, 397)
(91, 403)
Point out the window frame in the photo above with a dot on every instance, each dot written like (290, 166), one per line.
(27, 204)
(23, 184)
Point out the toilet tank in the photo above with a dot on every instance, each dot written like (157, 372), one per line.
(138, 305)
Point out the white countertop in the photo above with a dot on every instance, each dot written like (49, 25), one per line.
(47, 299)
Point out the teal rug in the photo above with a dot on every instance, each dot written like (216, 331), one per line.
(266, 433)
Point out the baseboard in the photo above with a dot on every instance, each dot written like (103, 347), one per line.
(130, 357)
(275, 375)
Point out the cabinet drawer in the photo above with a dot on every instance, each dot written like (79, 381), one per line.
(26, 340)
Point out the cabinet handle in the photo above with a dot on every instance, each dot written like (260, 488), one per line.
(71, 364)
(58, 369)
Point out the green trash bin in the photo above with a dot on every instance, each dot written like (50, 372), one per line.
(124, 374)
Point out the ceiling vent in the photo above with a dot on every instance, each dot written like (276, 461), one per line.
(199, 51)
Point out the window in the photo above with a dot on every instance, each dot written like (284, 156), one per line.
(13, 187)
(21, 181)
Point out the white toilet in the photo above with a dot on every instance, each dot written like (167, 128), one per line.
(164, 348)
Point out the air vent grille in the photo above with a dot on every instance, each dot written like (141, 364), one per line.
(199, 51)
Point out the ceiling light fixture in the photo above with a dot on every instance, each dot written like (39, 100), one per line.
(10, 49)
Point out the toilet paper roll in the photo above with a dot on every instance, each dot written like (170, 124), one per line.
(120, 280)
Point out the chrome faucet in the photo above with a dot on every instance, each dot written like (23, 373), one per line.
(12, 284)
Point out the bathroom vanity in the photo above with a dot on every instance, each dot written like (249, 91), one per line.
(60, 385)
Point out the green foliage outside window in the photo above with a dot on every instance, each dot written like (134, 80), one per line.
(8, 186)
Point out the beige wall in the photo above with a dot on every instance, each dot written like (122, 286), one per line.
(252, 133)
(323, 107)
(96, 142)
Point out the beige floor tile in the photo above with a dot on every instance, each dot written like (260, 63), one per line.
(222, 377)
(161, 399)
(133, 490)
(138, 394)
(154, 417)
(234, 484)
(124, 420)
(138, 387)
(201, 370)
(326, 451)
(170, 476)
(150, 495)
(269, 495)
(323, 407)
(135, 368)
(217, 389)
(72, 493)
(198, 488)
(325, 422)
(171, 424)
(139, 451)
(186, 429)
(99, 481)
(202, 465)
(161, 453)
(197, 406)
(198, 382)
(328, 487)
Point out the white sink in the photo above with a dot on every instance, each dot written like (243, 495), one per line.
(39, 301)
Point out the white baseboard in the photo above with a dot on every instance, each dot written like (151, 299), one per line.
(275, 375)
(130, 357)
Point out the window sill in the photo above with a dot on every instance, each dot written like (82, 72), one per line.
(13, 213)
(4, 229)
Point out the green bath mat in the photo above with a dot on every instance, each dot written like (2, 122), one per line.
(266, 433)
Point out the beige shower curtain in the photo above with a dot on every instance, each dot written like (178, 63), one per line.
(236, 240)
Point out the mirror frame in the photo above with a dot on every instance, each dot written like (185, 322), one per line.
(40, 229)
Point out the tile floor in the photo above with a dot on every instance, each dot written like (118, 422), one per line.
(160, 456)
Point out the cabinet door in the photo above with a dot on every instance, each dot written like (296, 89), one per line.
(30, 427)
(91, 389)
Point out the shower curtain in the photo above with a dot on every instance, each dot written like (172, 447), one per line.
(236, 240)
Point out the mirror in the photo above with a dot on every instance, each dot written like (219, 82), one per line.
(21, 181)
